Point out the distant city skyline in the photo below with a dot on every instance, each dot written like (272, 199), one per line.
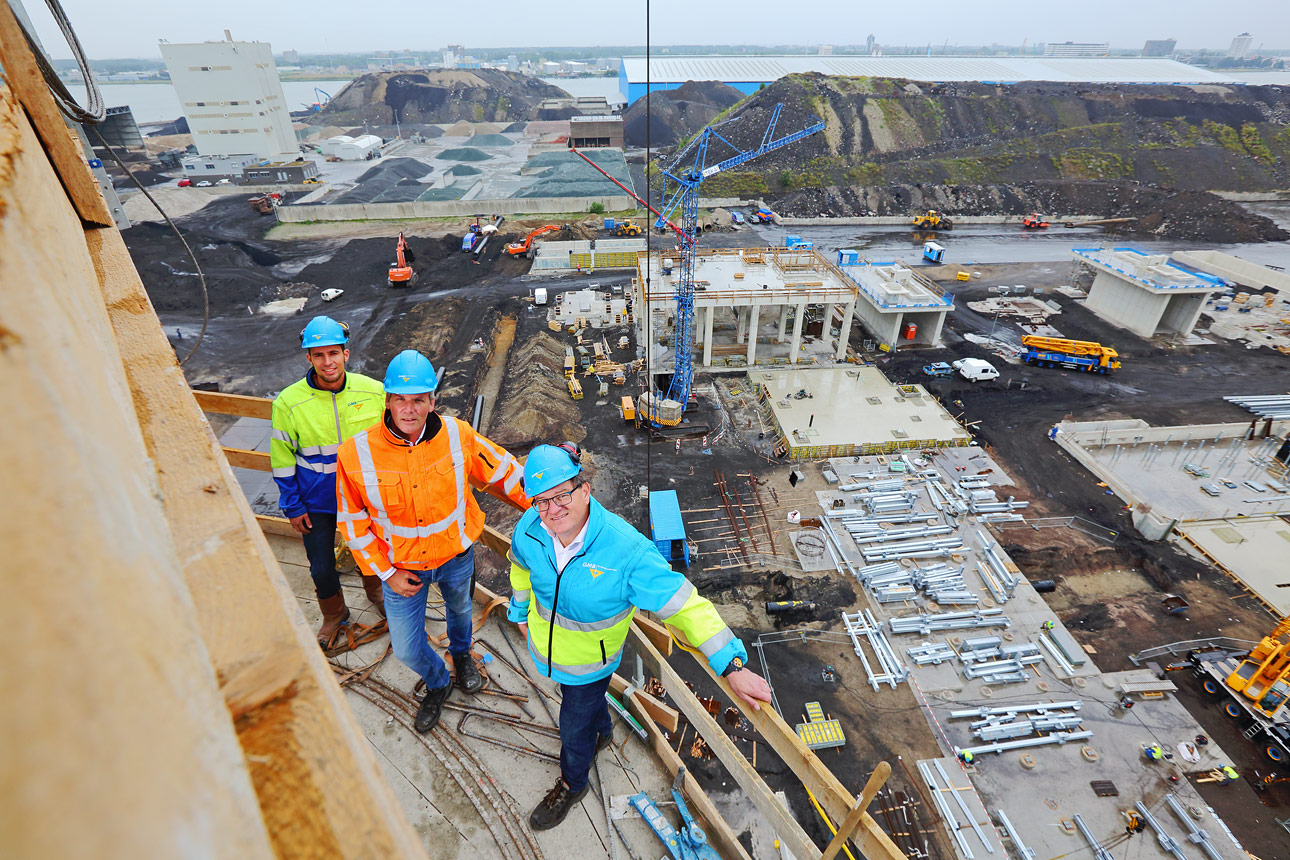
(323, 26)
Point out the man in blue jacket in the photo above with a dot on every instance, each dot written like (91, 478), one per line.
(311, 417)
(578, 574)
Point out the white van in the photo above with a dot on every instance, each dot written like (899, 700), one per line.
(975, 370)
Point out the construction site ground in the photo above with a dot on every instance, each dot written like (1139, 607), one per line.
(1107, 594)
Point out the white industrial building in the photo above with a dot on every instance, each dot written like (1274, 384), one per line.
(232, 97)
(1145, 293)
(357, 148)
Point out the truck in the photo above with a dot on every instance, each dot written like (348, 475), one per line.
(1256, 685)
(1084, 355)
(797, 243)
(539, 296)
(975, 369)
(940, 368)
(933, 252)
(762, 216)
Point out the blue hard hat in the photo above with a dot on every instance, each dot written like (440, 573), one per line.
(549, 466)
(324, 331)
(410, 373)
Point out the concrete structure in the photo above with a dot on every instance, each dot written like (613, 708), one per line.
(598, 309)
(747, 74)
(846, 411)
(216, 167)
(587, 255)
(119, 128)
(360, 148)
(897, 297)
(751, 288)
(1159, 47)
(1077, 49)
(1240, 46)
(596, 131)
(232, 97)
(1145, 293)
(1234, 270)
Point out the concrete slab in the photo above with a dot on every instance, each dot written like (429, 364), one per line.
(830, 412)
(1253, 550)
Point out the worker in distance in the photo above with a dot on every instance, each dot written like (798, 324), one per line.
(578, 574)
(311, 418)
(410, 518)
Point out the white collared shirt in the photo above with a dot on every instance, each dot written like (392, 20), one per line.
(564, 553)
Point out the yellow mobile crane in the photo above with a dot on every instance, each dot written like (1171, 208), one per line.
(1257, 685)
(1262, 675)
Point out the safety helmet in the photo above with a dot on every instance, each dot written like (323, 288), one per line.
(551, 465)
(324, 331)
(410, 373)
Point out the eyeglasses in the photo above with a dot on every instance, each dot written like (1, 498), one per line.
(561, 500)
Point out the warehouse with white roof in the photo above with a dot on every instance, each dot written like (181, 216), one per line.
(746, 74)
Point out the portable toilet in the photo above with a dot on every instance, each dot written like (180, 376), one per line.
(910, 331)
(666, 526)
(933, 253)
(609, 224)
(848, 257)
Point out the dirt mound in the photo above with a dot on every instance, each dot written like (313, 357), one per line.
(676, 114)
(436, 96)
(888, 132)
(1174, 214)
(535, 403)
(464, 153)
(402, 168)
(564, 174)
(490, 140)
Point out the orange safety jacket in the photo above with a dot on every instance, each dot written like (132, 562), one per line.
(411, 505)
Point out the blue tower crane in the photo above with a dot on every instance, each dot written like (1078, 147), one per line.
(686, 173)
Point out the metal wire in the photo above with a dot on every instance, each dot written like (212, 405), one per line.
(95, 110)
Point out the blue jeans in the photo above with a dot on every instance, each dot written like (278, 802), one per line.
(584, 717)
(320, 547)
(407, 619)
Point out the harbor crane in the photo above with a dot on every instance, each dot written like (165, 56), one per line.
(688, 170)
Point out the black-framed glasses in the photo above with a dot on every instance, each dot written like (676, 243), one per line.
(561, 500)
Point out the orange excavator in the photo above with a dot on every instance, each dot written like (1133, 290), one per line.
(401, 269)
(1034, 222)
(515, 249)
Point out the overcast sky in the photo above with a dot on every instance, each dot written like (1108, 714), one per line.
(132, 28)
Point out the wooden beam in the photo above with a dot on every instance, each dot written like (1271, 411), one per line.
(59, 142)
(828, 790)
(876, 780)
(660, 713)
(243, 459)
(279, 526)
(320, 788)
(786, 828)
(219, 403)
(718, 832)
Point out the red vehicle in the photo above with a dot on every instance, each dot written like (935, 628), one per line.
(184, 183)
(1034, 222)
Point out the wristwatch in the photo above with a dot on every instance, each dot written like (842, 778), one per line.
(734, 666)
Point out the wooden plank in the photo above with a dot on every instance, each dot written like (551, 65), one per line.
(320, 788)
(786, 828)
(718, 832)
(60, 144)
(240, 405)
(157, 770)
(828, 790)
(666, 717)
(243, 459)
(876, 780)
(279, 526)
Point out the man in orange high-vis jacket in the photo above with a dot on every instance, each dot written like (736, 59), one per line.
(410, 517)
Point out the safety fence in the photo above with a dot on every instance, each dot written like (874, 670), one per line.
(1079, 524)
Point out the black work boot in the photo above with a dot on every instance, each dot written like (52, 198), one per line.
(468, 677)
(603, 742)
(555, 806)
(430, 709)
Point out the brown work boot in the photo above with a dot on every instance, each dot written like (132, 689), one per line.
(372, 585)
(335, 613)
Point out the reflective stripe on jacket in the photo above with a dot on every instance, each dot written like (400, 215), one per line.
(308, 426)
(411, 505)
(578, 619)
